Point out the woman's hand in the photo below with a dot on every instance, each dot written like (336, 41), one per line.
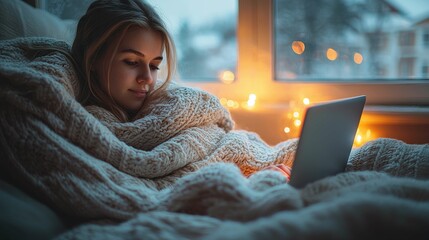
(283, 169)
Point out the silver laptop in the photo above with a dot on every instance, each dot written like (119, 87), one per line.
(326, 140)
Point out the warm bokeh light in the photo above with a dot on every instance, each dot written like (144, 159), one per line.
(331, 54)
(358, 139)
(252, 96)
(294, 117)
(368, 133)
(286, 130)
(297, 123)
(227, 77)
(230, 103)
(363, 137)
(252, 100)
(358, 58)
(296, 114)
(306, 101)
(298, 47)
(233, 104)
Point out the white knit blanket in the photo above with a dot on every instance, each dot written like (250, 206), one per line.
(178, 171)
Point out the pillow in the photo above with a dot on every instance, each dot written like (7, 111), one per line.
(18, 19)
(23, 217)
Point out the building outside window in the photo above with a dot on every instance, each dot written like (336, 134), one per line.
(426, 39)
(406, 67)
(406, 38)
(425, 69)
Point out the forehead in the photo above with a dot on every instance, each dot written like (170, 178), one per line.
(146, 41)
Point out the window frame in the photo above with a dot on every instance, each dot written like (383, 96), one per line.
(255, 71)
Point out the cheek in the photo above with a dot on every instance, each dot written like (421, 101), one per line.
(154, 77)
(119, 77)
(101, 78)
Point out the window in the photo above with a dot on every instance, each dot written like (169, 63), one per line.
(425, 69)
(269, 58)
(426, 39)
(344, 40)
(205, 36)
(67, 9)
(406, 67)
(406, 38)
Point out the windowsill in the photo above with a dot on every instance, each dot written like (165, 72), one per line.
(409, 115)
(407, 123)
(400, 114)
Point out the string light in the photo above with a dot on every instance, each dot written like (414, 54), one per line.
(298, 47)
(286, 130)
(232, 104)
(306, 101)
(252, 100)
(357, 58)
(297, 122)
(293, 118)
(295, 114)
(331, 54)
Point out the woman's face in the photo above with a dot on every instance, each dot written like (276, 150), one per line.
(134, 68)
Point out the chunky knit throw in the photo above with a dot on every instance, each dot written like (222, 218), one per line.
(179, 171)
(189, 129)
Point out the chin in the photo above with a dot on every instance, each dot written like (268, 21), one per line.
(134, 109)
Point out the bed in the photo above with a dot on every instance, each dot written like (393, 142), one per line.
(70, 172)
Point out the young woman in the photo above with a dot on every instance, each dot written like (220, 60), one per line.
(119, 47)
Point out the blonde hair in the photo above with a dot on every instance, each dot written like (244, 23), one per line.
(102, 27)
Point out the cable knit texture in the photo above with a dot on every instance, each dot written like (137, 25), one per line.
(178, 171)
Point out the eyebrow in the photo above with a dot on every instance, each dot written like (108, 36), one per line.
(129, 50)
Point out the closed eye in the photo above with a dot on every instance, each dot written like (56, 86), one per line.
(154, 67)
(130, 63)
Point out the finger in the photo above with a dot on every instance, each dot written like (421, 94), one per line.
(284, 168)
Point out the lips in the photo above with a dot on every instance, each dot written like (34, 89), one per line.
(139, 93)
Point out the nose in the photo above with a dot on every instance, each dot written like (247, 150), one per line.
(144, 76)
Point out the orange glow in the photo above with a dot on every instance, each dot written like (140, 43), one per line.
(363, 137)
(298, 47)
(358, 58)
(227, 77)
(331, 54)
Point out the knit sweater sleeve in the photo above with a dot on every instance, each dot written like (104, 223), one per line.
(163, 118)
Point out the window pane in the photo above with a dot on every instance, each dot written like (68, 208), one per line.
(351, 39)
(65, 9)
(205, 37)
